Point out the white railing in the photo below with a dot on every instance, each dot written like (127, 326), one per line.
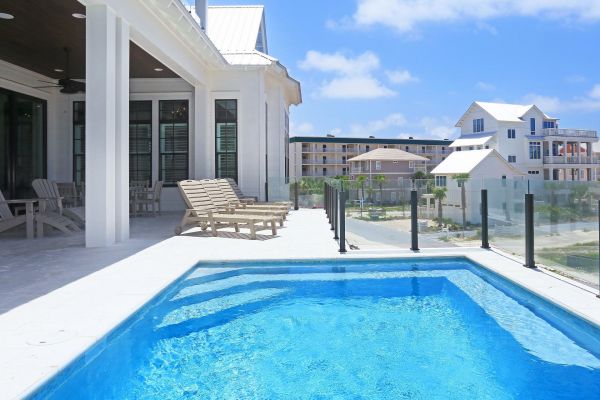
(570, 160)
(586, 133)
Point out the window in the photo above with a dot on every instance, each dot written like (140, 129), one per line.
(512, 159)
(324, 147)
(324, 171)
(226, 139)
(368, 148)
(533, 172)
(377, 165)
(140, 141)
(173, 134)
(423, 149)
(549, 124)
(478, 125)
(512, 133)
(344, 160)
(324, 159)
(406, 148)
(532, 125)
(79, 141)
(344, 171)
(344, 149)
(440, 181)
(535, 150)
(411, 164)
(458, 148)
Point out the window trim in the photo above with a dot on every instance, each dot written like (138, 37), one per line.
(160, 153)
(237, 108)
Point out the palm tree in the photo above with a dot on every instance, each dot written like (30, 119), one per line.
(439, 193)
(380, 179)
(461, 179)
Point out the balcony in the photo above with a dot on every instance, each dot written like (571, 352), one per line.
(579, 133)
(570, 160)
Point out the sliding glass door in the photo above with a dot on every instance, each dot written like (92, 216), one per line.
(22, 143)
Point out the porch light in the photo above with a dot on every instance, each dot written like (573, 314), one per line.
(78, 15)
(58, 70)
(6, 16)
(158, 69)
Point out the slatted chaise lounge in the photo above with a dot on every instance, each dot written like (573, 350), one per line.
(221, 201)
(203, 213)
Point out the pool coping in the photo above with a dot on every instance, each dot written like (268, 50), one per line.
(44, 361)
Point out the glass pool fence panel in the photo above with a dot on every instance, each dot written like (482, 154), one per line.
(310, 191)
(566, 228)
(506, 214)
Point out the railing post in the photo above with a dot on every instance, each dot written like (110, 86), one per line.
(598, 296)
(485, 244)
(414, 225)
(325, 198)
(296, 207)
(336, 216)
(529, 244)
(332, 207)
(343, 196)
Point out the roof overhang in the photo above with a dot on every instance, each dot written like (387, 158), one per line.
(467, 141)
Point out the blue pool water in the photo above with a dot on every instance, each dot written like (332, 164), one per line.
(387, 329)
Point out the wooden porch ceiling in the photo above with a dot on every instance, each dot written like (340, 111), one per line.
(35, 39)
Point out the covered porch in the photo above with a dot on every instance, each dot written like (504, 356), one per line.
(102, 94)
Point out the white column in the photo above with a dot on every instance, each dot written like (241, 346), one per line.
(122, 131)
(565, 151)
(204, 147)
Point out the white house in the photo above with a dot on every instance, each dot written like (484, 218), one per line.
(105, 91)
(530, 140)
(485, 168)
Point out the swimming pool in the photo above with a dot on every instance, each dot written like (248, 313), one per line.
(369, 329)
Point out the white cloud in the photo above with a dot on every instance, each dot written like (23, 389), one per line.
(553, 104)
(404, 15)
(595, 92)
(303, 128)
(353, 77)
(488, 87)
(390, 122)
(401, 76)
(439, 128)
(355, 87)
(547, 104)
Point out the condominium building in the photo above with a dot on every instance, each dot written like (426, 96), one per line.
(329, 155)
(530, 140)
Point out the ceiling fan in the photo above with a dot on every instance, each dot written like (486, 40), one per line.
(67, 85)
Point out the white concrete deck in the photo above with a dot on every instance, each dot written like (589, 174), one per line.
(59, 298)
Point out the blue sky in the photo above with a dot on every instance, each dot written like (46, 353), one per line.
(399, 68)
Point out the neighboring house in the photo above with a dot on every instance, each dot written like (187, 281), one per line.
(397, 166)
(329, 155)
(107, 91)
(530, 140)
(485, 166)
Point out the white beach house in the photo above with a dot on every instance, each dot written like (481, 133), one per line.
(530, 140)
(101, 92)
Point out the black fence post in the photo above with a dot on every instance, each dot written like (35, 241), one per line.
(485, 244)
(529, 244)
(296, 196)
(336, 214)
(325, 200)
(598, 296)
(343, 196)
(414, 222)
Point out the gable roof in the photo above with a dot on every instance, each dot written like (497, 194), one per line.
(383, 154)
(503, 111)
(463, 162)
(235, 29)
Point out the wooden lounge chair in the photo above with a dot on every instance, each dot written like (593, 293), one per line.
(252, 200)
(203, 213)
(151, 197)
(220, 200)
(48, 191)
(8, 220)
